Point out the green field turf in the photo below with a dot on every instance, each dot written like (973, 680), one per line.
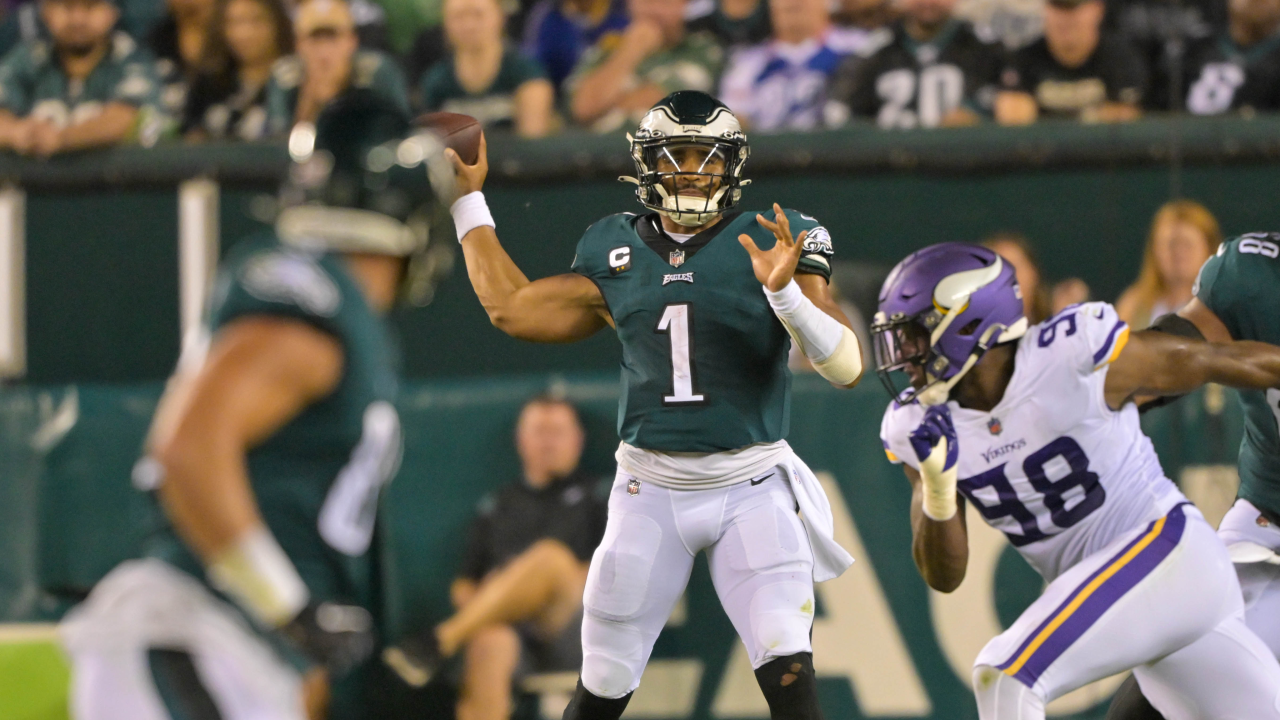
(33, 674)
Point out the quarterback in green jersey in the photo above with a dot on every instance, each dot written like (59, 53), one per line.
(703, 463)
(269, 449)
(1235, 299)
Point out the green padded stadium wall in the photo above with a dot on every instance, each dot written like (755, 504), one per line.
(102, 264)
(886, 646)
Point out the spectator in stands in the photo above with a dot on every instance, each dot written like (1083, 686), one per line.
(485, 78)
(228, 95)
(734, 23)
(1072, 291)
(782, 84)
(928, 70)
(21, 23)
(328, 61)
(616, 83)
(1184, 234)
(1239, 68)
(177, 43)
(519, 591)
(1162, 32)
(1074, 71)
(86, 87)
(1011, 23)
(865, 14)
(560, 31)
(1016, 249)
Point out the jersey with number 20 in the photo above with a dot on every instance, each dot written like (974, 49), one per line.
(1052, 466)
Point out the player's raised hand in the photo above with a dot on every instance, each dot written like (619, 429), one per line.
(934, 443)
(776, 266)
(470, 178)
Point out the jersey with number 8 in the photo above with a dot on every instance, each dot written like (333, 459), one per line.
(1239, 285)
(316, 480)
(1051, 466)
(704, 359)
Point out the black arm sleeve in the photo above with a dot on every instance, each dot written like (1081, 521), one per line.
(1174, 324)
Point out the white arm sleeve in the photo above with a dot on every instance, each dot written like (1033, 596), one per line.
(831, 347)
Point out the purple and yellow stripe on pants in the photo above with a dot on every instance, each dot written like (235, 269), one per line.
(1094, 597)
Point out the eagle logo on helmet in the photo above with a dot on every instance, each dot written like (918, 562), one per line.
(680, 124)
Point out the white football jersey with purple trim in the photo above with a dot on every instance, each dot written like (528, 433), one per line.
(1051, 466)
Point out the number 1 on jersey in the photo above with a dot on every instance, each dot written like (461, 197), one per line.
(676, 321)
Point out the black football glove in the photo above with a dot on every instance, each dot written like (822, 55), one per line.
(339, 637)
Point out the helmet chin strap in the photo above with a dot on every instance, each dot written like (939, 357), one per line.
(937, 392)
(688, 217)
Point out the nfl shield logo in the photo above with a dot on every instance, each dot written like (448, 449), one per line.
(994, 426)
(633, 487)
(676, 258)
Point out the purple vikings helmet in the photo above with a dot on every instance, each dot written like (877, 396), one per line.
(941, 308)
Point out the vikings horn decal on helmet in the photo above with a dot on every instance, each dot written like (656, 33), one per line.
(689, 151)
(940, 309)
(363, 180)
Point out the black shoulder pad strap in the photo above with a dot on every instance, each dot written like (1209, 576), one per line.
(1175, 324)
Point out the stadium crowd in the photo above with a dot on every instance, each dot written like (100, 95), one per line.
(88, 73)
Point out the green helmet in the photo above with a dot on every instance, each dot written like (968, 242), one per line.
(363, 180)
(683, 122)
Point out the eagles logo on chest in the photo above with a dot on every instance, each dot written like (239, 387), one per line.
(676, 258)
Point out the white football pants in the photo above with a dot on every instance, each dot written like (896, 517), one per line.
(117, 641)
(757, 550)
(1259, 580)
(1162, 600)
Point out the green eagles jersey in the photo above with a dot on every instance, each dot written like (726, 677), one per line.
(32, 82)
(317, 479)
(704, 359)
(1240, 285)
(369, 69)
(495, 105)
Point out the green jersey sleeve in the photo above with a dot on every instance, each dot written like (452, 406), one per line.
(1230, 280)
(276, 281)
(597, 255)
(15, 91)
(815, 258)
(282, 94)
(138, 85)
(380, 74)
(434, 88)
(521, 69)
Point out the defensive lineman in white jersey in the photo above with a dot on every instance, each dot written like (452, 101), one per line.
(1037, 428)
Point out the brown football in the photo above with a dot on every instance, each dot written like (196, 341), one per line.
(458, 131)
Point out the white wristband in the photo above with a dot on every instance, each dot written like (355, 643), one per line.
(470, 212)
(256, 573)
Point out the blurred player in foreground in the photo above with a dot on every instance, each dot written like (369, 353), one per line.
(702, 464)
(1038, 429)
(1235, 299)
(269, 449)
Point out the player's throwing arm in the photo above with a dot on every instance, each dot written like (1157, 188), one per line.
(562, 308)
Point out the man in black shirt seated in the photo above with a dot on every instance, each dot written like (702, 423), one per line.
(1074, 71)
(518, 593)
(1240, 68)
(926, 70)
